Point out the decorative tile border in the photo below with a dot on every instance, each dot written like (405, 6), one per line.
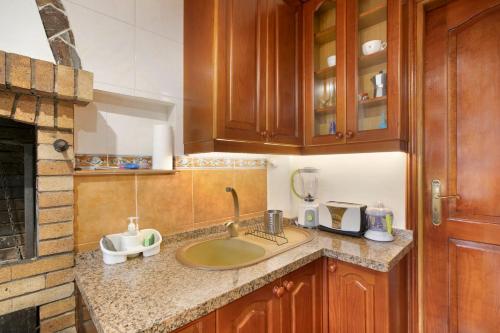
(111, 161)
(181, 162)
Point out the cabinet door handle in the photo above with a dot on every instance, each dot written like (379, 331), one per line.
(278, 291)
(339, 135)
(263, 134)
(349, 134)
(332, 268)
(436, 201)
(288, 285)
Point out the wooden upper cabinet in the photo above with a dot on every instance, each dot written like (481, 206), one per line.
(374, 95)
(241, 69)
(324, 71)
(242, 82)
(357, 102)
(257, 312)
(285, 79)
(291, 76)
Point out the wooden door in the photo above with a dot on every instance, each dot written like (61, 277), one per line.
(374, 117)
(324, 36)
(461, 134)
(302, 303)
(285, 79)
(203, 325)
(360, 301)
(259, 311)
(241, 69)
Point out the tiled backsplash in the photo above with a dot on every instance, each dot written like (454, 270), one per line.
(86, 161)
(191, 198)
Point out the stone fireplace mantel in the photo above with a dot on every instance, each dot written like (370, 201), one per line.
(44, 94)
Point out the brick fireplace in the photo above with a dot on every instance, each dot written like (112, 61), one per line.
(37, 101)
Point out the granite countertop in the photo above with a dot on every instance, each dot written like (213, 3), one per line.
(158, 294)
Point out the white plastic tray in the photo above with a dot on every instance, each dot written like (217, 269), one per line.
(119, 256)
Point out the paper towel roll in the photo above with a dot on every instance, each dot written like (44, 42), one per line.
(162, 147)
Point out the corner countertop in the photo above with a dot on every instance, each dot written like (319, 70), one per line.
(158, 294)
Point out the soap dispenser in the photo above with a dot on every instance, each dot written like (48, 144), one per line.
(131, 238)
(133, 225)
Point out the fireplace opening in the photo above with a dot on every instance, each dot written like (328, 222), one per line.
(17, 191)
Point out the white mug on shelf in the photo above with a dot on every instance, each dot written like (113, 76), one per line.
(331, 61)
(373, 46)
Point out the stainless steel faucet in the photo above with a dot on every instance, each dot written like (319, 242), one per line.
(233, 226)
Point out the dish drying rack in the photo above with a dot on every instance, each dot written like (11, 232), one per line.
(259, 230)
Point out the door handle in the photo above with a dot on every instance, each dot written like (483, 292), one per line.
(436, 201)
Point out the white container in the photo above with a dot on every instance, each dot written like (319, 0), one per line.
(163, 147)
(373, 46)
(331, 61)
(379, 223)
(126, 246)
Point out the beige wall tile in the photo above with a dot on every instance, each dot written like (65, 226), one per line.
(43, 296)
(251, 186)
(5, 274)
(2, 69)
(6, 103)
(65, 82)
(43, 76)
(42, 265)
(48, 137)
(20, 287)
(55, 168)
(102, 206)
(59, 277)
(165, 202)
(65, 115)
(47, 247)
(55, 199)
(55, 184)
(55, 230)
(57, 323)
(211, 201)
(18, 71)
(25, 110)
(85, 86)
(5, 307)
(57, 307)
(51, 215)
(46, 113)
(47, 152)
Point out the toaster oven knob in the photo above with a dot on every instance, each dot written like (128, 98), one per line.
(332, 268)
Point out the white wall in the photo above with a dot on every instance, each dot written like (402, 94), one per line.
(22, 31)
(135, 48)
(360, 178)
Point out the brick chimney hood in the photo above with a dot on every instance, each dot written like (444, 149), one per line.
(43, 94)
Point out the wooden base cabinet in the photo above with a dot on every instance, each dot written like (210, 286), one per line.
(290, 304)
(361, 300)
(326, 295)
(203, 325)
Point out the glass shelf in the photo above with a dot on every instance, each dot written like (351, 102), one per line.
(372, 65)
(325, 36)
(325, 91)
(325, 73)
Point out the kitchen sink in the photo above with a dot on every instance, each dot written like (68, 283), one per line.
(237, 252)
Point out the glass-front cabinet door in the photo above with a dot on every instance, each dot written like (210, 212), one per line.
(373, 68)
(324, 63)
